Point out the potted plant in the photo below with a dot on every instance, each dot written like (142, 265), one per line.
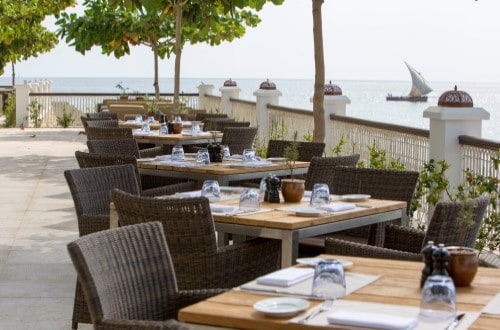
(154, 110)
(291, 188)
(123, 91)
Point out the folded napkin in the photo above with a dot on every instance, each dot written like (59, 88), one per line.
(372, 320)
(337, 207)
(218, 208)
(286, 277)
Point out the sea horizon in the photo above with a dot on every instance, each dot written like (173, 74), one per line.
(367, 96)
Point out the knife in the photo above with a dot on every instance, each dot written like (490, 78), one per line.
(455, 321)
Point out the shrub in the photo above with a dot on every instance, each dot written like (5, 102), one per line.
(66, 119)
(10, 111)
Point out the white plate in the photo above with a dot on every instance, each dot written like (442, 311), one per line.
(305, 211)
(164, 157)
(355, 198)
(276, 159)
(313, 261)
(281, 306)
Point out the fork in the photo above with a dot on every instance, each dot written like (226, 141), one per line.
(324, 307)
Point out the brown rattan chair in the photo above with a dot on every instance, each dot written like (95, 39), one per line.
(307, 150)
(204, 115)
(221, 125)
(190, 233)
(100, 133)
(102, 115)
(128, 279)
(104, 123)
(447, 226)
(211, 124)
(238, 138)
(321, 169)
(125, 146)
(379, 183)
(152, 185)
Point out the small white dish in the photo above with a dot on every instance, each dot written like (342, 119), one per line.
(280, 307)
(355, 198)
(313, 261)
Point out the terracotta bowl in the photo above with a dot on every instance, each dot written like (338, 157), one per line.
(462, 265)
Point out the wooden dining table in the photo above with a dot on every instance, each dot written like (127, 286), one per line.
(224, 172)
(185, 138)
(398, 286)
(278, 222)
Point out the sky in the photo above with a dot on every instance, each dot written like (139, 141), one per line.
(446, 40)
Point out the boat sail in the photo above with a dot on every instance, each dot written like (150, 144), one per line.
(419, 88)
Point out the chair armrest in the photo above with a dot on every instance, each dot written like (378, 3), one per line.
(403, 238)
(170, 189)
(347, 248)
(142, 325)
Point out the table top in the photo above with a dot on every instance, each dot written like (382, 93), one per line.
(185, 136)
(398, 285)
(281, 218)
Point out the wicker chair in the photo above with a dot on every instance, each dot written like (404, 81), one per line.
(125, 146)
(190, 233)
(238, 138)
(307, 150)
(100, 133)
(221, 125)
(321, 169)
(446, 226)
(204, 115)
(152, 185)
(379, 183)
(102, 115)
(128, 279)
(85, 120)
(103, 123)
(211, 124)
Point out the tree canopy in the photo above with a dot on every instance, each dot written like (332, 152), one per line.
(22, 34)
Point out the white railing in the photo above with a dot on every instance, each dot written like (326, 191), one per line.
(477, 155)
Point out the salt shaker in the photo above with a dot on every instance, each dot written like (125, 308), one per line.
(427, 256)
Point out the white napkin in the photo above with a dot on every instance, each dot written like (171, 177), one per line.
(286, 277)
(337, 207)
(372, 320)
(218, 208)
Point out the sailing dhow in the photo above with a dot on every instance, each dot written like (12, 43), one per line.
(419, 88)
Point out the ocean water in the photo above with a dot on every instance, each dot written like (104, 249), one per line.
(367, 97)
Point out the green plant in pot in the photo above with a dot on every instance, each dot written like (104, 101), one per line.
(291, 188)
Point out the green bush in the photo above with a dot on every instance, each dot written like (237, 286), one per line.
(34, 112)
(66, 119)
(10, 111)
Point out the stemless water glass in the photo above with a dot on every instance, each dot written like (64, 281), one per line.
(163, 129)
(320, 195)
(195, 128)
(145, 127)
(227, 154)
(329, 280)
(248, 155)
(210, 190)
(249, 200)
(151, 119)
(202, 157)
(138, 119)
(177, 153)
(438, 299)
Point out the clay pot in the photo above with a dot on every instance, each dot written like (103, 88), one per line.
(174, 128)
(292, 190)
(462, 265)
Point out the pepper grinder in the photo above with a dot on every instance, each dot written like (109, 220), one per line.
(440, 257)
(272, 192)
(427, 256)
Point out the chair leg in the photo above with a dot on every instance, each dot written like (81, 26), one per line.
(80, 311)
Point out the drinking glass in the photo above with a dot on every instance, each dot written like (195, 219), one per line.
(151, 119)
(145, 127)
(163, 129)
(320, 195)
(438, 299)
(249, 200)
(138, 119)
(227, 154)
(248, 155)
(329, 279)
(202, 157)
(195, 128)
(177, 153)
(210, 190)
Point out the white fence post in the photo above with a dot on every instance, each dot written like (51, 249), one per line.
(266, 94)
(22, 102)
(228, 91)
(447, 123)
(202, 99)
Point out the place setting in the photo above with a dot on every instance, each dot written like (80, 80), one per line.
(249, 203)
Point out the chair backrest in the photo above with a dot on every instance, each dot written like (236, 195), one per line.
(104, 123)
(126, 273)
(188, 227)
(321, 169)
(102, 115)
(238, 138)
(221, 125)
(379, 183)
(87, 160)
(211, 124)
(307, 150)
(91, 192)
(457, 223)
(202, 116)
(126, 147)
(100, 133)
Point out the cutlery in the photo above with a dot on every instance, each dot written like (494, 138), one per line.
(455, 321)
(324, 307)
(278, 291)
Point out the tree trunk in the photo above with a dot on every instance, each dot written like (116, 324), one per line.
(178, 50)
(155, 84)
(13, 74)
(319, 78)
